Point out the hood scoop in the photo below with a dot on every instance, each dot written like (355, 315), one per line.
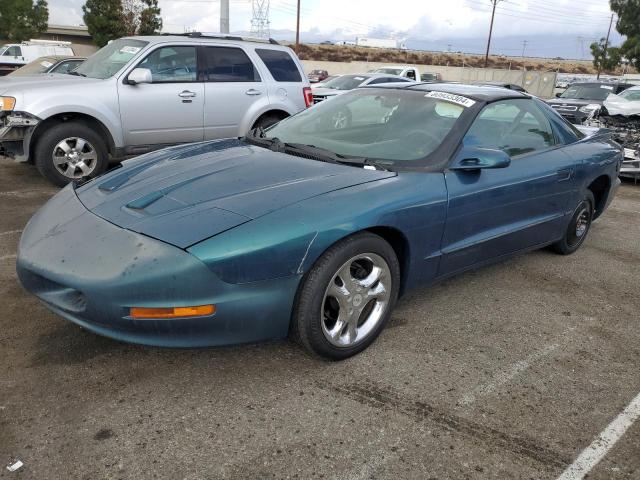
(186, 194)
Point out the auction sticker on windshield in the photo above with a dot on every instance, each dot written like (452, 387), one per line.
(130, 49)
(450, 97)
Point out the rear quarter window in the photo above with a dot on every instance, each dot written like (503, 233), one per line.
(280, 65)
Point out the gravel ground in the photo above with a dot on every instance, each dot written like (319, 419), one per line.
(506, 372)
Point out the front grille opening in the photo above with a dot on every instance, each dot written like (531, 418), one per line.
(54, 293)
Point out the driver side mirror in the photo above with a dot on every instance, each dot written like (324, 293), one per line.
(475, 158)
(140, 75)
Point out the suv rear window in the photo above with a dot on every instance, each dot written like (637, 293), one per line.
(280, 64)
(229, 64)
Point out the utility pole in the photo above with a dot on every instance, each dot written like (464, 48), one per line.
(524, 46)
(606, 45)
(224, 16)
(493, 13)
(298, 26)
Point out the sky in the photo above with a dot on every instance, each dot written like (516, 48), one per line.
(548, 26)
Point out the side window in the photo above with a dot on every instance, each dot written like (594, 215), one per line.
(65, 67)
(172, 64)
(381, 80)
(514, 126)
(411, 74)
(13, 52)
(280, 65)
(229, 64)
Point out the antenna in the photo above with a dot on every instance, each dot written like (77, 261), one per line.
(260, 19)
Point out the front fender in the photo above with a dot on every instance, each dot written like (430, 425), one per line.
(289, 241)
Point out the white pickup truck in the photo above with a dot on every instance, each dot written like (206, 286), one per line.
(15, 55)
(409, 72)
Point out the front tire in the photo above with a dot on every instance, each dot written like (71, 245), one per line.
(578, 226)
(347, 298)
(70, 151)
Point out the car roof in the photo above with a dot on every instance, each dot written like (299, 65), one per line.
(213, 38)
(601, 83)
(475, 92)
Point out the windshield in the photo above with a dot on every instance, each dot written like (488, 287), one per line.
(588, 92)
(392, 125)
(345, 82)
(41, 65)
(391, 71)
(110, 58)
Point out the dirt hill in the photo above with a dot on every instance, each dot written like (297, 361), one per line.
(345, 53)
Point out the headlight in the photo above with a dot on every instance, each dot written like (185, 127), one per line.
(7, 104)
(592, 107)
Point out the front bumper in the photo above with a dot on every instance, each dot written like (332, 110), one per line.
(15, 134)
(91, 272)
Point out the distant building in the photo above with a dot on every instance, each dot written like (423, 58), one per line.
(79, 37)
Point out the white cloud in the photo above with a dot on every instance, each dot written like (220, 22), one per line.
(430, 19)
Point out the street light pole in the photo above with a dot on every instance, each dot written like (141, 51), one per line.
(224, 16)
(298, 26)
(493, 13)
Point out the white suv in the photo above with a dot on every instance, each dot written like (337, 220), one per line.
(138, 94)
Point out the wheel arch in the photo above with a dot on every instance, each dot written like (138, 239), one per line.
(600, 188)
(392, 235)
(281, 114)
(59, 118)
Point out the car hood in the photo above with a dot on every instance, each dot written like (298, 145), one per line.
(326, 92)
(42, 81)
(186, 194)
(573, 101)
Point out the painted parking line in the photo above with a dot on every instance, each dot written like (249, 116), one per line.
(10, 232)
(505, 375)
(595, 452)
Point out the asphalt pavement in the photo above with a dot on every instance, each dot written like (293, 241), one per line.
(509, 371)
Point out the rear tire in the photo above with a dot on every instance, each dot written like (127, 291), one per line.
(70, 151)
(267, 120)
(346, 299)
(579, 226)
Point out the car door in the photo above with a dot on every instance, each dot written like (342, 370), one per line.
(494, 212)
(169, 109)
(233, 88)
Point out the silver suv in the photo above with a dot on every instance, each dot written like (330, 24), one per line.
(139, 94)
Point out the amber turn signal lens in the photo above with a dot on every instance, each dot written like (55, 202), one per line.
(7, 104)
(172, 312)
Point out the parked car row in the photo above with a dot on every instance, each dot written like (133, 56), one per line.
(615, 106)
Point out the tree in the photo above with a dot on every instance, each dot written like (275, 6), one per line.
(605, 58)
(628, 24)
(110, 19)
(103, 19)
(22, 19)
(141, 17)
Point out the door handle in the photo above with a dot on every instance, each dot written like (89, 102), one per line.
(253, 91)
(187, 94)
(565, 174)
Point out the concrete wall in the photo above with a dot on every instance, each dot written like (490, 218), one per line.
(535, 82)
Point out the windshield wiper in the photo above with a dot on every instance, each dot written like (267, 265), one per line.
(257, 137)
(332, 157)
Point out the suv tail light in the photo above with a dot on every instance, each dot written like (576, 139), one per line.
(308, 96)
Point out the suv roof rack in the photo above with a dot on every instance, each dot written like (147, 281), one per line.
(224, 36)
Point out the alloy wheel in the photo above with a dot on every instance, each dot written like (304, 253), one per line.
(356, 300)
(75, 157)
